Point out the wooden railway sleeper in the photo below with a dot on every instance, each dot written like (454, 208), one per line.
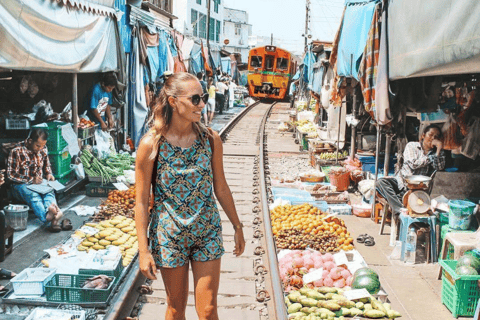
(263, 296)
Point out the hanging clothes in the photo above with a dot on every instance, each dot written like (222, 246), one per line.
(187, 48)
(138, 111)
(196, 59)
(383, 113)
(170, 61)
(367, 72)
(153, 63)
(335, 96)
(208, 69)
(176, 40)
(162, 53)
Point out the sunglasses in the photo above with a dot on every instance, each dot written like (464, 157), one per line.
(196, 98)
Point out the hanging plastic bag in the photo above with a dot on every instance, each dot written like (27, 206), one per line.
(449, 131)
(104, 144)
(471, 143)
(79, 170)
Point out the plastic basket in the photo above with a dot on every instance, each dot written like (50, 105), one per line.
(96, 189)
(40, 313)
(17, 219)
(60, 162)
(32, 281)
(55, 142)
(65, 178)
(460, 294)
(17, 124)
(340, 181)
(68, 288)
(116, 273)
(87, 132)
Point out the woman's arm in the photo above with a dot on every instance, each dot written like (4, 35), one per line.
(224, 195)
(143, 182)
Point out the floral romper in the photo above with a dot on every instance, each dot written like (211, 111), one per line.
(185, 223)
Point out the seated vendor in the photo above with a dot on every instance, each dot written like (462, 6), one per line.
(99, 101)
(28, 164)
(419, 158)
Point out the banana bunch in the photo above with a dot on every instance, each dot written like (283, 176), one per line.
(307, 128)
(118, 231)
(332, 155)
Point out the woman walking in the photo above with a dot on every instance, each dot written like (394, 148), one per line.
(183, 161)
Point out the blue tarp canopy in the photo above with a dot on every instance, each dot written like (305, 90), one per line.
(227, 65)
(308, 62)
(355, 27)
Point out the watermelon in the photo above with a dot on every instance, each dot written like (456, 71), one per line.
(469, 260)
(466, 271)
(365, 271)
(369, 282)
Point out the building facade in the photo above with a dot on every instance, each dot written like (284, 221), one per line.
(192, 18)
(237, 30)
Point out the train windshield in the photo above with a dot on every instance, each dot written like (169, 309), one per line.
(256, 62)
(282, 63)
(269, 61)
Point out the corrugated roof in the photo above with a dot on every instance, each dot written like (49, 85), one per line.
(100, 7)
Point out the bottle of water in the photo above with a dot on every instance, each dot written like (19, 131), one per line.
(410, 246)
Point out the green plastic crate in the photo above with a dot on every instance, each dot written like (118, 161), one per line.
(65, 177)
(55, 142)
(460, 294)
(60, 163)
(68, 288)
(116, 273)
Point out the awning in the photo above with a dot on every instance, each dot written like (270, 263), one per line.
(46, 35)
(356, 24)
(428, 38)
(101, 7)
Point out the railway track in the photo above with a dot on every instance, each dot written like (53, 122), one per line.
(250, 286)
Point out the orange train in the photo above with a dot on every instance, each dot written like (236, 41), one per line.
(270, 70)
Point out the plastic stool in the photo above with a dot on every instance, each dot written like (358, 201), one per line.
(406, 221)
(461, 242)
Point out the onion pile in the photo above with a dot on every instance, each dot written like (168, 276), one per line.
(295, 264)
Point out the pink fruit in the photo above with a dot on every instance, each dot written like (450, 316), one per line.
(317, 264)
(335, 273)
(318, 283)
(328, 257)
(340, 283)
(308, 263)
(349, 281)
(345, 274)
(329, 265)
(325, 274)
(328, 282)
(306, 253)
(297, 262)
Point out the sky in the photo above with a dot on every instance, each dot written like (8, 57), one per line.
(286, 19)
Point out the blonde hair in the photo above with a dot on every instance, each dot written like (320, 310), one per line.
(161, 117)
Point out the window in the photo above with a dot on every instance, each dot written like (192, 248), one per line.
(256, 62)
(211, 31)
(238, 50)
(282, 63)
(269, 61)
(199, 1)
(202, 30)
(217, 31)
(217, 4)
(195, 22)
(238, 29)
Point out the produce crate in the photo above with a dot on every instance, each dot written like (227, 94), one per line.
(32, 281)
(96, 189)
(17, 124)
(444, 231)
(55, 142)
(60, 162)
(44, 313)
(65, 177)
(68, 288)
(99, 179)
(116, 273)
(87, 132)
(460, 294)
(340, 209)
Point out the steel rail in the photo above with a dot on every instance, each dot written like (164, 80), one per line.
(278, 295)
(229, 126)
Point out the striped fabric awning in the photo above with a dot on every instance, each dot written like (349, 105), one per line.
(100, 7)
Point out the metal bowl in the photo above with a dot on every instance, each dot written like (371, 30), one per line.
(418, 182)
